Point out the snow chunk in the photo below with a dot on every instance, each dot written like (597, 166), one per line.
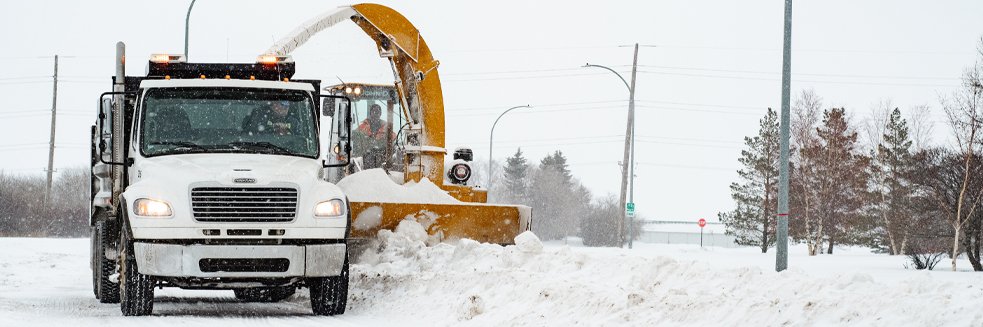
(369, 218)
(412, 230)
(528, 242)
(374, 185)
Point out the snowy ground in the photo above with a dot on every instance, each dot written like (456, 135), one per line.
(401, 281)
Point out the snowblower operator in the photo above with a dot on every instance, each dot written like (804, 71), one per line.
(373, 126)
(273, 120)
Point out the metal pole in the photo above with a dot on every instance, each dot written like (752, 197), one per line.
(187, 21)
(624, 162)
(781, 260)
(51, 142)
(491, 137)
(701, 237)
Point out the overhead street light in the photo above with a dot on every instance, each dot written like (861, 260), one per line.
(627, 172)
(491, 137)
(187, 21)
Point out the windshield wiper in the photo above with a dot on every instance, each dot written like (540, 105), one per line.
(273, 148)
(181, 145)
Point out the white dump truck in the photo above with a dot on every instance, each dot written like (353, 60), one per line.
(210, 176)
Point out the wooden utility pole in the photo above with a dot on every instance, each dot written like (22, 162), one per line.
(51, 142)
(631, 124)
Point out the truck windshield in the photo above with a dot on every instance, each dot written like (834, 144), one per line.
(228, 120)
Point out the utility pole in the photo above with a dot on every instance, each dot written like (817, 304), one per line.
(628, 147)
(631, 124)
(51, 142)
(781, 256)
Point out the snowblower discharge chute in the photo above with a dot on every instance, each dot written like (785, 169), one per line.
(400, 129)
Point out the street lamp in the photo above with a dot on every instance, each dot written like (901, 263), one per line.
(187, 20)
(627, 173)
(491, 137)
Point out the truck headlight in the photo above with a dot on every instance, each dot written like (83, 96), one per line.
(151, 208)
(332, 208)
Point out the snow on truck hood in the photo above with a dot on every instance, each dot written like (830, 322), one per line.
(374, 185)
(226, 167)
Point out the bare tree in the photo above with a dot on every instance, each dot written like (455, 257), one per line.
(964, 110)
(806, 117)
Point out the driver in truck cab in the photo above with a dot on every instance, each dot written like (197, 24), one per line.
(275, 119)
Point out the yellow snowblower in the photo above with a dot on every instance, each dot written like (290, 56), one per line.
(398, 167)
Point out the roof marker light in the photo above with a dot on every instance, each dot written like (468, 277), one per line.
(202, 76)
(228, 77)
(162, 58)
(271, 59)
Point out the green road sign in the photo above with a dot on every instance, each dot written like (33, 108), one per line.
(630, 209)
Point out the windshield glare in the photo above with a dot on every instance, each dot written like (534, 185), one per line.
(237, 120)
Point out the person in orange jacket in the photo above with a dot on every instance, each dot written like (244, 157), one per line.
(374, 126)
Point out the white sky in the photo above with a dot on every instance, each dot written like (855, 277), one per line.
(715, 68)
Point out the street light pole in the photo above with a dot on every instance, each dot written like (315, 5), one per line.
(187, 21)
(781, 255)
(629, 146)
(491, 137)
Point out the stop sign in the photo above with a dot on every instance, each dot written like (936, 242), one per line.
(702, 222)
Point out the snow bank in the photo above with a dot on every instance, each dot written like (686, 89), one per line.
(374, 185)
(401, 279)
(469, 283)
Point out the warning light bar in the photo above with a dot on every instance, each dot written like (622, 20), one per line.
(162, 58)
(270, 59)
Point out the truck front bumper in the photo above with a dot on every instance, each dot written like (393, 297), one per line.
(175, 260)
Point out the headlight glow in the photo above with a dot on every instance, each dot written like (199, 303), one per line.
(151, 208)
(332, 208)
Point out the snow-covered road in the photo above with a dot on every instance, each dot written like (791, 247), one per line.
(404, 282)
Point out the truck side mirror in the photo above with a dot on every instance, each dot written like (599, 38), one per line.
(106, 121)
(328, 107)
(339, 151)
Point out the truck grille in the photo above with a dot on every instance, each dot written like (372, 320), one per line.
(244, 204)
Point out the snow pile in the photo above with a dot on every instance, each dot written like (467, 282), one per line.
(374, 185)
(469, 283)
(401, 279)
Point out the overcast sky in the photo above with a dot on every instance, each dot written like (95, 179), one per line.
(708, 71)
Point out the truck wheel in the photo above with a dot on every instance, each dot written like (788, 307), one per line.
(105, 286)
(264, 294)
(136, 289)
(329, 295)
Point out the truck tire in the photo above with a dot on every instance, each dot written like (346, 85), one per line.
(104, 285)
(136, 289)
(264, 294)
(329, 295)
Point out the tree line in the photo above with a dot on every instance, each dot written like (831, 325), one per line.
(24, 211)
(892, 190)
(562, 206)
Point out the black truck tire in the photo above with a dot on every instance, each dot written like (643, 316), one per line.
(329, 295)
(136, 289)
(264, 294)
(104, 285)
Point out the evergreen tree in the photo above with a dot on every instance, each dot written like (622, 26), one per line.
(839, 183)
(558, 163)
(516, 183)
(891, 172)
(753, 221)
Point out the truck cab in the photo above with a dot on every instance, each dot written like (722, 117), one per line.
(211, 176)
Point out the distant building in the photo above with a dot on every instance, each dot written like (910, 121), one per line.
(685, 232)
